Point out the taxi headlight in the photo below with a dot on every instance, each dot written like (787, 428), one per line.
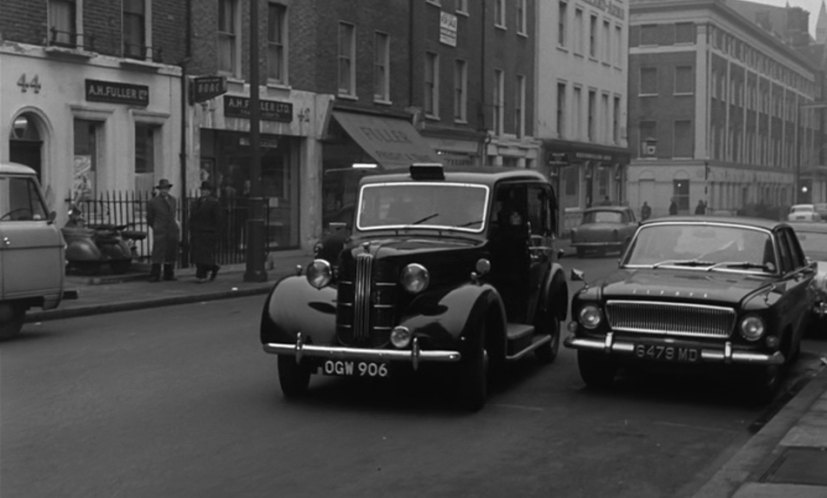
(415, 278)
(319, 273)
(752, 328)
(590, 316)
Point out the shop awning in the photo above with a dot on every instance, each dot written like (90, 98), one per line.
(393, 143)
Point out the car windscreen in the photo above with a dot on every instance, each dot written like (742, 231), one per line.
(602, 217)
(814, 244)
(423, 204)
(698, 245)
(20, 200)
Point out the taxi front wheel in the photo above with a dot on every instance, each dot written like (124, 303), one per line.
(293, 377)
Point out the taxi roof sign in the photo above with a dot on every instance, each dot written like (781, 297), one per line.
(427, 171)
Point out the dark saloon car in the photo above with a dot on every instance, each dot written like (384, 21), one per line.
(442, 269)
(604, 228)
(693, 292)
(813, 240)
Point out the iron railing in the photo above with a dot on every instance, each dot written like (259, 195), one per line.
(129, 208)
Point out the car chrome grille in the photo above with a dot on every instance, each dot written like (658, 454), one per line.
(365, 310)
(674, 319)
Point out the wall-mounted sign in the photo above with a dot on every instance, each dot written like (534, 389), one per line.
(117, 93)
(270, 110)
(448, 29)
(206, 87)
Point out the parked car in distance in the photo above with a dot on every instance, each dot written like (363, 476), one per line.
(442, 269)
(604, 228)
(803, 212)
(692, 293)
(31, 249)
(813, 240)
(821, 209)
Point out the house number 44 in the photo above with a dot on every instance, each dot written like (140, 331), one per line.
(25, 84)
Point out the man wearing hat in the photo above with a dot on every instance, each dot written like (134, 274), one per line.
(161, 215)
(206, 221)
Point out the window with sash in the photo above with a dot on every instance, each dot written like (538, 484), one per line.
(63, 22)
(134, 29)
(228, 37)
(276, 42)
(347, 56)
(381, 67)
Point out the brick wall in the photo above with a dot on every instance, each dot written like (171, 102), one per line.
(23, 21)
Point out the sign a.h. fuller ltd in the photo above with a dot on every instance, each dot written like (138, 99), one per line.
(117, 93)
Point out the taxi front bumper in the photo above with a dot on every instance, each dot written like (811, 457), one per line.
(414, 355)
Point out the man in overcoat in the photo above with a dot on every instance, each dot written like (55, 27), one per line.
(161, 216)
(206, 222)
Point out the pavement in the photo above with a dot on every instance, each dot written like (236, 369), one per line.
(786, 458)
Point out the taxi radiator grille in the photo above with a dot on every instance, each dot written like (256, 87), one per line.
(365, 309)
(673, 319)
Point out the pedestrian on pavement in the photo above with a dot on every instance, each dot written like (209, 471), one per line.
(673, 208)
(701, 207)
(161, 216)
(645, 211)
(206, 223)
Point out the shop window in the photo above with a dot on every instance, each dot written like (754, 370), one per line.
(86, 158)
(347, 56)
(276, 42)
(146, 137)
(134, 29)
(227, 37)
(680, 194)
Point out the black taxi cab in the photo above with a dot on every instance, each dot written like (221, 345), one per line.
(441, 268)
(693, 292)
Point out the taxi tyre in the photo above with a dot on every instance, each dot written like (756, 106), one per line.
(12, 316)
(293, 377)
(596, 369)
(547, 353)
(472, 385)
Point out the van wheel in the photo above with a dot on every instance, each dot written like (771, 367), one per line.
(12, 316)
(293, 377)
(596, 369)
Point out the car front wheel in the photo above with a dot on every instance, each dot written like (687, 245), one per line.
(293, 377)
(596, 369)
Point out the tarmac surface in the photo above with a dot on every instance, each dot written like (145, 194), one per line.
(786, 458)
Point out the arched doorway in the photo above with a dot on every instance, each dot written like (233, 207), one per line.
(26, 143)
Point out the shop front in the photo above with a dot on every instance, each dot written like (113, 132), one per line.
(288, 160)
(88, 125)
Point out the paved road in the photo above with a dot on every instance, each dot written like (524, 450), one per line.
(181, 402)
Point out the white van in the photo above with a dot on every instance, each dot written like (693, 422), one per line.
(32, 262)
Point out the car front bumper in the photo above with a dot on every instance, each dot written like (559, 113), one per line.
(724, 354)
(414, 356)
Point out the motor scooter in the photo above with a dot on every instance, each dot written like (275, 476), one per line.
(90, 246)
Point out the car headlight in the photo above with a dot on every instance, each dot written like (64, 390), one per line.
(752, 328)
(415, 278)
(590, 316)
(319, 273)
